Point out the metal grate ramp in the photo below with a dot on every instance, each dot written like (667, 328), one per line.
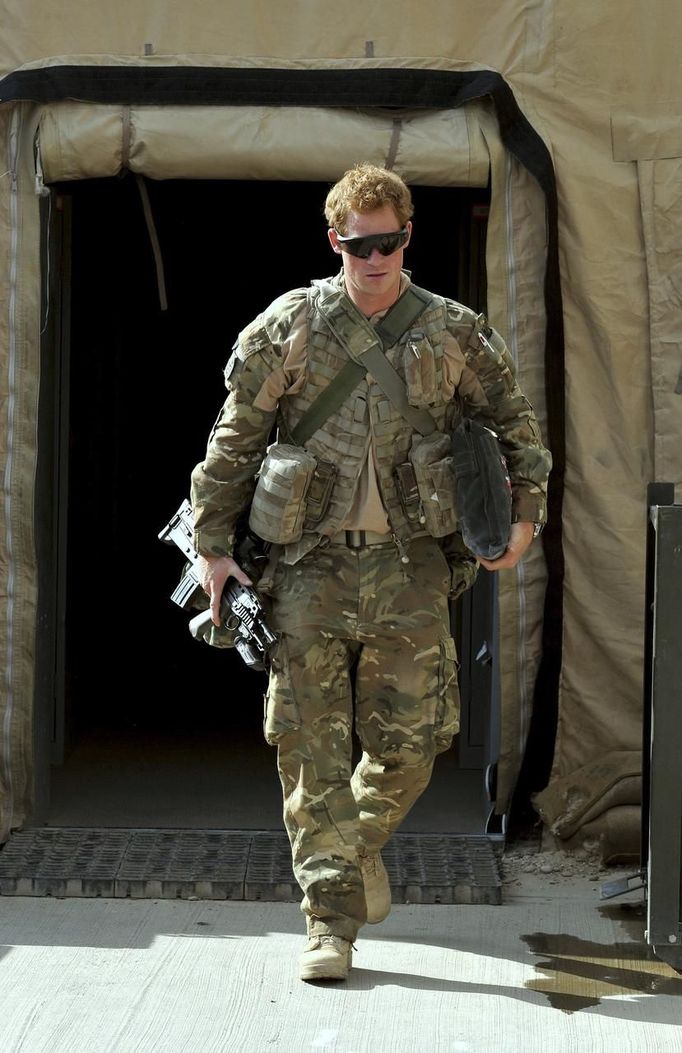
(230, 864)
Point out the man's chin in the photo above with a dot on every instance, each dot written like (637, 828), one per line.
(379, 284)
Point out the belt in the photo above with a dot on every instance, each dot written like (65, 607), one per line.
(360, 538)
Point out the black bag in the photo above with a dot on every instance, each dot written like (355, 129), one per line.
(482, 489)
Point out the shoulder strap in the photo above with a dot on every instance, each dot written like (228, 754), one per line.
(393, 387)
(402, 314)
(365, 354)
(328, 401)
(338, 389)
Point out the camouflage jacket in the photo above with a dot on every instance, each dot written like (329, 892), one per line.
(481, 383)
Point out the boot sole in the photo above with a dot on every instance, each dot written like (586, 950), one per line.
(324, 971)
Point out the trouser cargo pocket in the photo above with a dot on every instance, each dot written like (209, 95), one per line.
(446, 723)
(281, 716)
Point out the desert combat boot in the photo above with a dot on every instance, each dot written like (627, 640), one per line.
(326, 957)
(377, 887)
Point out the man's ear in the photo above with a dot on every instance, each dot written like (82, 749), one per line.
(334, 240)
(409, 233)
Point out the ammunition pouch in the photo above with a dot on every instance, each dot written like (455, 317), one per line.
(293, 491)
(419, 363)
(319, 493)
(430, 498)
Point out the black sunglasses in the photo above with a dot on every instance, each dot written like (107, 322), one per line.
(362, 247)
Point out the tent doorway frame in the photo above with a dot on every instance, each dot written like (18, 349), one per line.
(365, 85)
(475, 623)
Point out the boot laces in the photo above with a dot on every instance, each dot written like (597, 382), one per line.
(370, 864)
(329, 937)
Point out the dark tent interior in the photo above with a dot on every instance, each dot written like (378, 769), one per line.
(150, 727)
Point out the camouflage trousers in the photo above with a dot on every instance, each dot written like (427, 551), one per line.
(365, 644)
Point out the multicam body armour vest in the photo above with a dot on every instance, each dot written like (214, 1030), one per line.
(367, 414)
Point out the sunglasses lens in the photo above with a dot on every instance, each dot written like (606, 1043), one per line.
(365, 247)
(387, 244)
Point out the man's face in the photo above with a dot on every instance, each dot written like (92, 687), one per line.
(373, 283)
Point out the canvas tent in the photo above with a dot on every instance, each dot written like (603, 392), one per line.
(580, 144)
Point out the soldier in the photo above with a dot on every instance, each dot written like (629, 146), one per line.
(362, 517)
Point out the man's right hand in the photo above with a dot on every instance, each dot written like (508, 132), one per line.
(213, 572)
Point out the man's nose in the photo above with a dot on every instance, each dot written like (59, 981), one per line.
(375, 256)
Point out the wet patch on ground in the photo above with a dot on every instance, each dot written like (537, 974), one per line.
(576, 974)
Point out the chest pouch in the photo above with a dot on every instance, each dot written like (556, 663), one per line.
(419, 363)
(432, 461)
(279, 502)
(320, 492)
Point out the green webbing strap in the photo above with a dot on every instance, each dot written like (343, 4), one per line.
(393, 387)
(402, 314)
(329, 400)
(367, 356)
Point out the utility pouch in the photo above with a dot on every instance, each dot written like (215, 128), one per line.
(431, 457)
(408, 490)
(320, 491)
(279, 502)
(419, 361)
(483, 489)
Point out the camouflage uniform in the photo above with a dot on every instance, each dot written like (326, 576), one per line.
(365, 635)
(362, 619)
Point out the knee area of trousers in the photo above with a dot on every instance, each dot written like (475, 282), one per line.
(406, 757)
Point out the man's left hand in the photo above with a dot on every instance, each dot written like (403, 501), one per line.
(519, 540)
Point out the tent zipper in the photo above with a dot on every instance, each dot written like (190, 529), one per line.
(519, 569)
(7, 774)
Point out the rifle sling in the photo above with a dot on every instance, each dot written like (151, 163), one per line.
(365, 355)
(328, 401)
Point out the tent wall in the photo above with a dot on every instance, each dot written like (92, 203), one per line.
(660, 186)
(516, 227)
(601, 84)
(19, 381)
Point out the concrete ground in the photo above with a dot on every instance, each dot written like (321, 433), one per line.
(552, 969)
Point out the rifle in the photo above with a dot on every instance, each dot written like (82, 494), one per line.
(241, 609)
